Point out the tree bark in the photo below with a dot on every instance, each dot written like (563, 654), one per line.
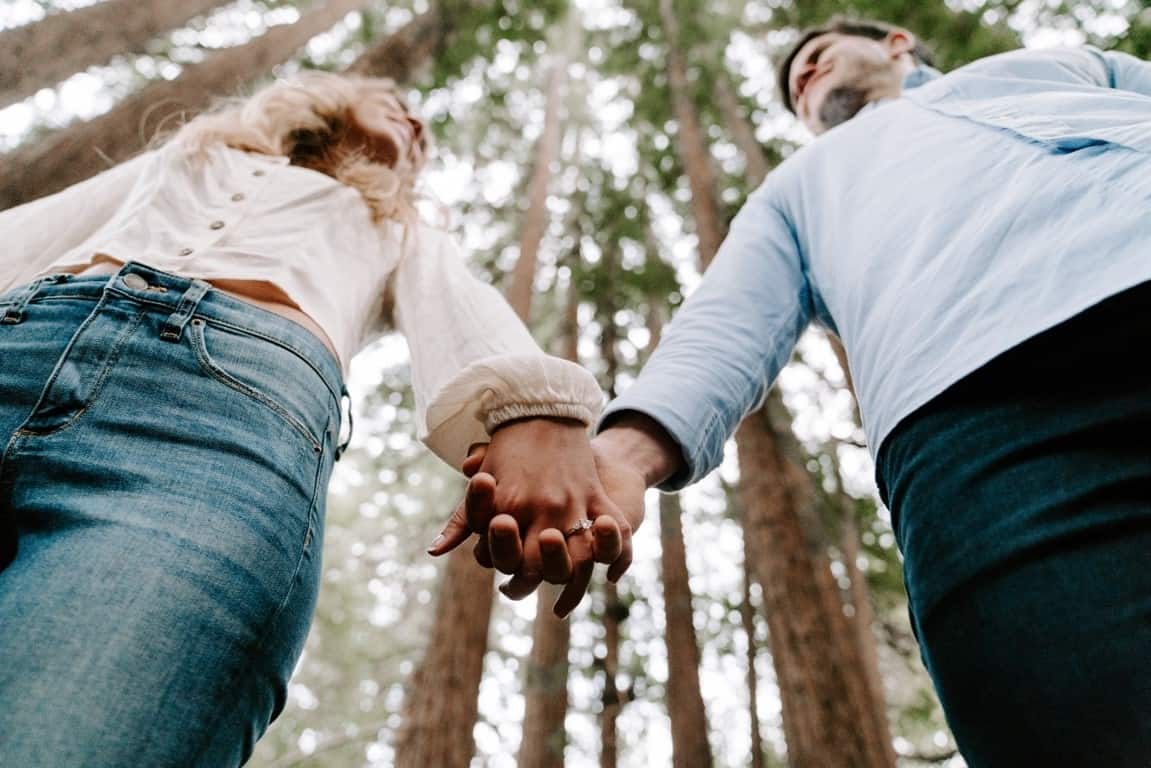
(693, 149)
(84, 149)
(545, 689)
(403, 54)
(613, 614)
(536, 220)
(747, 618)
(828, 712)
(690, 746)
(442, 702)
(41, 54)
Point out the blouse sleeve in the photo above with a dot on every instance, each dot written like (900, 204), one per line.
(36, 234)
(474, 364)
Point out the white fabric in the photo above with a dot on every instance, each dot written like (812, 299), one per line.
(245, 216)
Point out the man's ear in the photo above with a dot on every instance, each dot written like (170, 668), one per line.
(899, 42)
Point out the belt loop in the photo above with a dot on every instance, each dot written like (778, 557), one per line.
(174, 326)
(14, 312)
(351, 422)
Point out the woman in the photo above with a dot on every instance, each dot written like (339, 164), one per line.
(173, 338)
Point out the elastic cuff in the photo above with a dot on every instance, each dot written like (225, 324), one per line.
(511, 411)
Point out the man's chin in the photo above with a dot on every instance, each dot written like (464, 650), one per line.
(840, 105)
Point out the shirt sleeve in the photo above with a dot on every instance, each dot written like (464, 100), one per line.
(728, 341)
(36, 234)
(474, 364)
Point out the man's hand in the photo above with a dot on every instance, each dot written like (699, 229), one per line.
(530, 490)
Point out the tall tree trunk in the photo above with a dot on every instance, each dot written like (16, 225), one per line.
(612, 701)
(84, 149)
(431, 722)
(442, 704)
(863, 620)
(829, 716)
(693, 150)
(545, 689)
(38, 55)
(690, 747)
(404, 53)
(747, 618)
(535, 223)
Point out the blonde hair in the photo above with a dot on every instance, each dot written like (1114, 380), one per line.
(310, 118)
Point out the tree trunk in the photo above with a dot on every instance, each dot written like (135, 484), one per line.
(613, 614)
(747, 617)
(742, 133)
(84, 149)
(535, 223)
(693, 149)
(441, 708)
(690, 747)
(403, 54)
(545, 689)
(41, 54)
(828, 712)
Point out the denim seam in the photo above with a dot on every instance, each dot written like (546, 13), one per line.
(210, 367)
(272, 340)
(109, 363)
(258, 647)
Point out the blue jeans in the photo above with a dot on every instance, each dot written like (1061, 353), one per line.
(166, 454)
(1021, 498)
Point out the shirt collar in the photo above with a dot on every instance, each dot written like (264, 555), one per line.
(919, 76)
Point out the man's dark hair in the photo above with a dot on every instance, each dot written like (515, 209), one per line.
(873, 30)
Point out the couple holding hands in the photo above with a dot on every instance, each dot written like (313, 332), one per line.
(174, 335)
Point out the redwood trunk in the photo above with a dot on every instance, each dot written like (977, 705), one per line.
(690, 747)
(828, 711)
(84, 149)
(613, 614)
(535, 223)
(545, 689)
(41, 54)
(441, 708)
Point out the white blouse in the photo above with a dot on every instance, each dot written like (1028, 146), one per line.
(245, 216)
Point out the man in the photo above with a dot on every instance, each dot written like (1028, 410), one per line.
(981, 242)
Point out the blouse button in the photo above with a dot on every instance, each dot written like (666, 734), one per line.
(185, 251)
(258, 172)
(237, 197)
(217, 225)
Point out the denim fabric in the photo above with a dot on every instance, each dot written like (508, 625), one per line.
(1021, 499)
(166, 454)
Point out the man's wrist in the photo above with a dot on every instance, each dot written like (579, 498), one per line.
(641, 442)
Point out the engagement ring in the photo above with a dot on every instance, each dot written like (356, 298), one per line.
(582, 525)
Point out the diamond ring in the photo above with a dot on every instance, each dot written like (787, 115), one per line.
(579, 527)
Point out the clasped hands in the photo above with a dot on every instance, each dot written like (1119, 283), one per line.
(529, 494)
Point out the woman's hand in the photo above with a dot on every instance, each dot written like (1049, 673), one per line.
(530, 489)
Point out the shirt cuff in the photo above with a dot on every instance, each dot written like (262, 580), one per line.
(494, 390)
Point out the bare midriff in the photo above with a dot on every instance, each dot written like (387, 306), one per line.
(263, 294)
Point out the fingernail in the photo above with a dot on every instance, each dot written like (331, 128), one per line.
(435, 543)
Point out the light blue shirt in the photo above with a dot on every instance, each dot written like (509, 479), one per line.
(931, 233)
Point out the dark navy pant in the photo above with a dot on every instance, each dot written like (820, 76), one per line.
(1021, 499)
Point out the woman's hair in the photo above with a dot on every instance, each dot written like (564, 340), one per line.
(310, 118)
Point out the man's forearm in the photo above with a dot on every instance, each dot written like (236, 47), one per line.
(640, 442)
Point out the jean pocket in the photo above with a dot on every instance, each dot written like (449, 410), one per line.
(268, 373)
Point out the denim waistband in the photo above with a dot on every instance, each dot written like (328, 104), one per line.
(184, 298)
